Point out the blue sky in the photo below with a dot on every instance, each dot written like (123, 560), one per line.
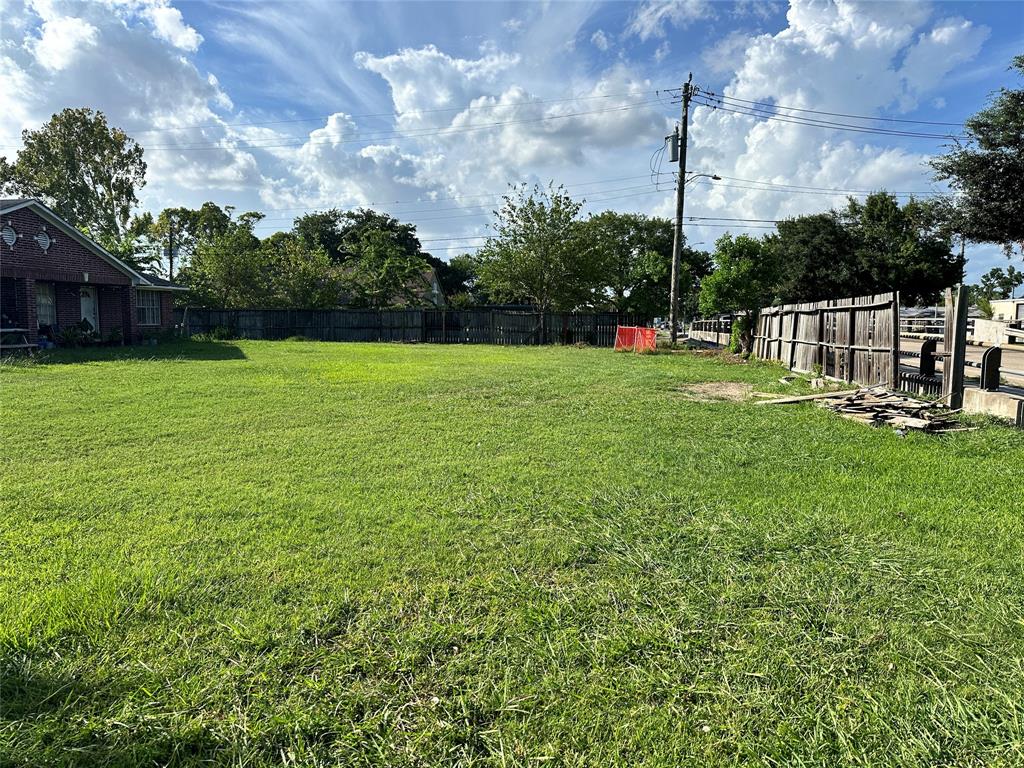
(429, 110)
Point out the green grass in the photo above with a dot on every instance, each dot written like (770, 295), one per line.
(264, 553)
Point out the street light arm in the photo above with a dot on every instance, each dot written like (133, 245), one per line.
(712, 176)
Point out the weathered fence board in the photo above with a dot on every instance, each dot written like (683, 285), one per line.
(433, 326)
(854, 340)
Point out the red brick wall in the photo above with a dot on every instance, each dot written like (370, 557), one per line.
(66, 260)
(166, 309)
(64, 264)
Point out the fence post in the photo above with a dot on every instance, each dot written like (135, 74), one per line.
(894, 378)
(991, 360)
(955, 347)
(852, 334)
(821, 340)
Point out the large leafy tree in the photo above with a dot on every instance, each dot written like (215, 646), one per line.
(987, 171)
(301, 275)
(745, 279)
(538, 253)
(381, 272)
(355, 224)
(230, 270)
(634, 255)
(323, 229)
(86, 170)
(179, 228)
(817, 252)
(900, 248)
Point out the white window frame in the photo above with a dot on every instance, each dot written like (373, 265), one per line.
(149, 313)
(50, 292)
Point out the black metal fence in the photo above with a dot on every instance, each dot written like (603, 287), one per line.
(432, 326)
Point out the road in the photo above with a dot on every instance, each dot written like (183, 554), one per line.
(1013, 360)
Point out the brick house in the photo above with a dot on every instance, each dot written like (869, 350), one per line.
(52, 276)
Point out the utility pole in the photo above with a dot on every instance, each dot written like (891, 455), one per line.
(170, 247)
(677, 238)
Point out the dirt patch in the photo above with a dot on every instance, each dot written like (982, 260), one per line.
(712, 391)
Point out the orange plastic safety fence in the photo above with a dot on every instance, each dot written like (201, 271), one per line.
(636, 339)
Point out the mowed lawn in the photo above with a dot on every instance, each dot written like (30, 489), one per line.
(291, 553)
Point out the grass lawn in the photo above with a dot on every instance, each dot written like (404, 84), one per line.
(277, 553)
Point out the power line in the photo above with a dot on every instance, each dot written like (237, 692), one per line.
(822, 192)
(828, 189)
(756, 113)
(832, 114)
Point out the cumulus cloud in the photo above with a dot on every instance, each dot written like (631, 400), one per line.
(424, 79)
(170, 26)
(843, 57)
(121, 59)
(600, 40)
(60, 40)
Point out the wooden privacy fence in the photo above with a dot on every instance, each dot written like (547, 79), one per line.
(435, 326)
(854, 340)
(718, 331)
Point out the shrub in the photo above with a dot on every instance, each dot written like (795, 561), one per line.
(740, 337)
(71, 336)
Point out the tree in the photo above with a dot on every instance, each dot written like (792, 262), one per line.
(323, 229)
(87, 171)
(302, 275)
(453, 275)
(538, 253)
(463, 287)
(354, 224)
(230, 270)
(634, 254)
(904, 249)
(817, 254)
(988, 170)
(381, 272)
(745, 279)
(998, 283)
(149, 239)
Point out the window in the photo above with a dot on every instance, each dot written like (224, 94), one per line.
(149, 308)
(46, 304)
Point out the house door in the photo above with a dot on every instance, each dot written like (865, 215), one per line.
(90, 306)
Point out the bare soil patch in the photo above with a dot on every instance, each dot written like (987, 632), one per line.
(712, 391)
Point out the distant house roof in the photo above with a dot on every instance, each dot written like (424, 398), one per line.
(140, 279)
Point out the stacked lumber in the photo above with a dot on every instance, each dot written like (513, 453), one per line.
(880, 407)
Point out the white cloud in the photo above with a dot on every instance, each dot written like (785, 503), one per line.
(727, 53)
(662, 51)
(842, 57)
(651, 18)
(600, 40)
(61, 40)
(513, 25)
(426, 79)
(170, 26)
(110, 56)
(937, 51)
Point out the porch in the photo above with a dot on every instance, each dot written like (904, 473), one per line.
(53, 310)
